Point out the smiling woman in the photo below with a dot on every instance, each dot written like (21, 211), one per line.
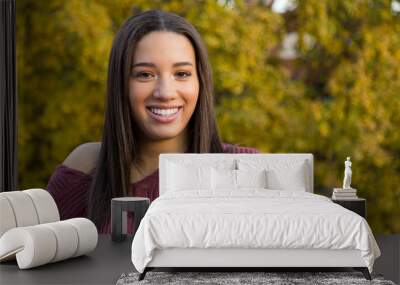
(164, 87)
(159, 100)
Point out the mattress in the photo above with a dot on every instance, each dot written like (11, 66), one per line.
(250, 218)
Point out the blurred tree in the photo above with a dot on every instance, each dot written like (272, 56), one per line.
(62, 50)
(336, 97)
(351, 76)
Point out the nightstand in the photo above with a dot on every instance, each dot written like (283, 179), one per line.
(119, 208)
(358, 205)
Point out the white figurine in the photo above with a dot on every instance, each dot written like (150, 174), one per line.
(347, 174)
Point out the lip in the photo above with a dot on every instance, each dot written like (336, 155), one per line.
(164, 107)
(164, 120)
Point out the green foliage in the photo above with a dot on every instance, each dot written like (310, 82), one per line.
(339, 97)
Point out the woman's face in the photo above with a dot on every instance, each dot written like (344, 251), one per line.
(163, 85)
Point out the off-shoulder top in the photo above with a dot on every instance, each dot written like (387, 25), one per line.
(69, 188)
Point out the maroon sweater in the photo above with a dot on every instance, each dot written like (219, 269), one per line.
(69, 188)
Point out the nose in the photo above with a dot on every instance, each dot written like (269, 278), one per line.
(165, 88)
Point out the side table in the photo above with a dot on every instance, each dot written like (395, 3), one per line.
(119, 208)
(358, 205)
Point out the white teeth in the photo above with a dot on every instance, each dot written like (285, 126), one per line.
(164, 112)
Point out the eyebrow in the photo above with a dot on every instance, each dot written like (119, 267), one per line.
(149, 64)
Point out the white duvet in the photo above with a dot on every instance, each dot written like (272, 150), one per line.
(251, 218)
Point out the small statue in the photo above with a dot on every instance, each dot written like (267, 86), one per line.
(347, 174)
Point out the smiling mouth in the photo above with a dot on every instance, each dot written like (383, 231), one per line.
(166, 113)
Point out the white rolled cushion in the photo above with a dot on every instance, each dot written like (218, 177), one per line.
(46, 208)
(67, 239)
(182, 178)
(223, 179)
(7, 218)
(251, 178)
(33, 245)
(40, 244)
(23, 208)
(87, 235)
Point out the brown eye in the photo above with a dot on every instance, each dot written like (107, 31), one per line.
(183, 74)
(143, 75)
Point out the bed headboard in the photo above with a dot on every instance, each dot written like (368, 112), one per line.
(232, 160)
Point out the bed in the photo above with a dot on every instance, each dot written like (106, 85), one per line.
(247, 210)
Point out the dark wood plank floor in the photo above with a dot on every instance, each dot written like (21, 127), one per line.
(388, 263)
(110, 260)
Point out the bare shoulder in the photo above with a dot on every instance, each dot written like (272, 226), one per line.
(83, 157)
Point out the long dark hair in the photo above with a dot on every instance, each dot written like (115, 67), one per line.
(119, 147)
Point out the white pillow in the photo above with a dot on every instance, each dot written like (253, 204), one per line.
(181, 177)
(220, 163)
(223, 179)
(281, 174)
(228, 179)
(251, 178)
(292, 179)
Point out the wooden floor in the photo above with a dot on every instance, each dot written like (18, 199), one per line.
(110, 259)
(388, 263)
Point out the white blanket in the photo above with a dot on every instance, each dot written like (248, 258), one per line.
(251, 218)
